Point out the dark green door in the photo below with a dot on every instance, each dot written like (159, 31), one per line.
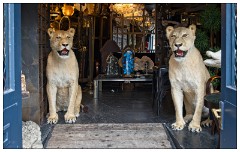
(12, 98)
(228, 102)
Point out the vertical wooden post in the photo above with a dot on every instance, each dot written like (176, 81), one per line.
(91, 51)
(111, 27)
(101, 32)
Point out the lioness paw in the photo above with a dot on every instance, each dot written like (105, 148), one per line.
(77, 115)
(52, 119)
(206, 123)
(178, 125)
(70, 118)
(193, 127)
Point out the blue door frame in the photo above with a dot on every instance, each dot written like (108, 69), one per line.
(228, 102)
(12, 97)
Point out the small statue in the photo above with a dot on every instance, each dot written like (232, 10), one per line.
(23, 82)
(25, 93)
(215, 61)
(112, 65)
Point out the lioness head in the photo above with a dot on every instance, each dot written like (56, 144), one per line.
(181, 40)
(61, 41)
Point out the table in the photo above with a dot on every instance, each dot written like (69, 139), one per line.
(118, 78)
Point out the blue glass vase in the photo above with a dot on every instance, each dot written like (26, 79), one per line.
(128, 62)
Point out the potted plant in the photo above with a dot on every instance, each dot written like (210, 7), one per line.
(210, 19)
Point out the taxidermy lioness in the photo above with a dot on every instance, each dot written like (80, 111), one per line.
(63, 90)
(188, 76)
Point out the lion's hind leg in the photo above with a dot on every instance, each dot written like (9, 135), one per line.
(207, 122)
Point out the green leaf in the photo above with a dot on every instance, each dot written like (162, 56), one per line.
(202, 41)
(210, 18)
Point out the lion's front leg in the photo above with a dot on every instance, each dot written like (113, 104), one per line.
(52, 92)
(188, 106)
(78, 101)
(70, 116)
(194, 125)
(177, 96)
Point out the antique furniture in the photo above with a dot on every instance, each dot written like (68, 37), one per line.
(119, 78)
(211, 100)
(161, 85)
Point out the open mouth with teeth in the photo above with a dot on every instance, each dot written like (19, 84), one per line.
(180, 53)
(63, 52)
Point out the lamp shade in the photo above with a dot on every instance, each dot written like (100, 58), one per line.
(67, 10)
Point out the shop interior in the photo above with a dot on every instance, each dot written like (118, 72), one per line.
(103, 32)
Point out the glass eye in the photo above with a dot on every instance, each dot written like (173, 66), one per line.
(58, 37)
(185, 35)
(173, 36)
(68, 37)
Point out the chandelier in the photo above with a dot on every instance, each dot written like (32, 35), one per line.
(127, 10)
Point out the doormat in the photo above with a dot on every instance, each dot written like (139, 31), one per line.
(109, 136)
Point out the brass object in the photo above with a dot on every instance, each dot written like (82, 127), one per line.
(54, 25)
(217, 116)
(86, 23)
(55, 12)
(58, 18)
(89, 9)
(69, 23)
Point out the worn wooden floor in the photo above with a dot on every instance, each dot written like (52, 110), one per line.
(108, 135)
(117, 106)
